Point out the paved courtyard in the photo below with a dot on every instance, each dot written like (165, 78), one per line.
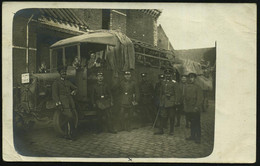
(139, 143)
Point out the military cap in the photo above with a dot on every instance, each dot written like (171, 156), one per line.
(192, 73)
(168, 71)
(143, 74)
(100, 73)
(184, 75)
(161, 76)
(127, 72)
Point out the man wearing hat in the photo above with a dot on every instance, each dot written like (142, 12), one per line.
(169, 99)
(192, 100)
(183, 83)
(62, 91)
(157, 92)
(128, 99)
(103, 101)
(146, 97)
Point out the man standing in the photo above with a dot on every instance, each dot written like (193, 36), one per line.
(146, 97)
(103, 101)
(128, 97)
(62, 91)
(192, 99)
(183, 84)
(169, 99)
(157, 93)
(157, 90)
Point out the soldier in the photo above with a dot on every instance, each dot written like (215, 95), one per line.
(157, 90)
(157, 93)
(128, 97)
(42, 68)
(169, 99)
(175, 78)
(183, 84)
(146, 97)
(192, 99)
(103, 100)
(62, 91)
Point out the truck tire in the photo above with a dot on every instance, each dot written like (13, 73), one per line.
(60, 123)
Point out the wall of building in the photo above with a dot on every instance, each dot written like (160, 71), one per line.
(140, 26)
(162, 39)
(118, 20)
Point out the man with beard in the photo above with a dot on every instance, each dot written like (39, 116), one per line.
(62, 91)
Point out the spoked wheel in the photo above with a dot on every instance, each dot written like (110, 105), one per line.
(60, 122)
(22, 117)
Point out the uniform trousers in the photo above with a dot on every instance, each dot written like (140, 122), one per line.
(165, 114)
(195, 127)
(68, 113)
(147, 111)
(126, 114)
(105, 119)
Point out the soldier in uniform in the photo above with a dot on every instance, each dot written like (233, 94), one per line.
(183, 84)
(128, 97)
(169, 99)
(62, 91)
(192, 100)
(157, 90)
(146, 97)
(157, 93)
(103, 100)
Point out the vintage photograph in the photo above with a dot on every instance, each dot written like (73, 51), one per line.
(109, 83)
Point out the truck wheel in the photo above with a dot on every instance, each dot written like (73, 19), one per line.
(60, 122)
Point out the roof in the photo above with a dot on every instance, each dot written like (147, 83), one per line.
(152, 12)
(67, 16)
(91, 37)
(196, 54)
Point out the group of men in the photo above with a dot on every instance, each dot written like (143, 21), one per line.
(156, 104)
(176, 98)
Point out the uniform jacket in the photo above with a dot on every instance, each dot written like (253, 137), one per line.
(146, 92)
(61, 91)
(127, 90)
(101, 93)
(192, 97)
(170, 94)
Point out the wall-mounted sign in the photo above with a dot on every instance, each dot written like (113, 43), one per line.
(25, 78)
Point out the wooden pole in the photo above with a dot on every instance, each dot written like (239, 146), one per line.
(27, 44)
(63, 56)
(51, 65)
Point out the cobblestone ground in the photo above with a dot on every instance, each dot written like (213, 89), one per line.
(139, 143)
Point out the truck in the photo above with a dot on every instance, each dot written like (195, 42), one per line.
(110, 51)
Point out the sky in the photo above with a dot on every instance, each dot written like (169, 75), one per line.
(200, 25)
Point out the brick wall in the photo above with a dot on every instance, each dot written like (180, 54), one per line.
(118, 20)
(140, 26)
